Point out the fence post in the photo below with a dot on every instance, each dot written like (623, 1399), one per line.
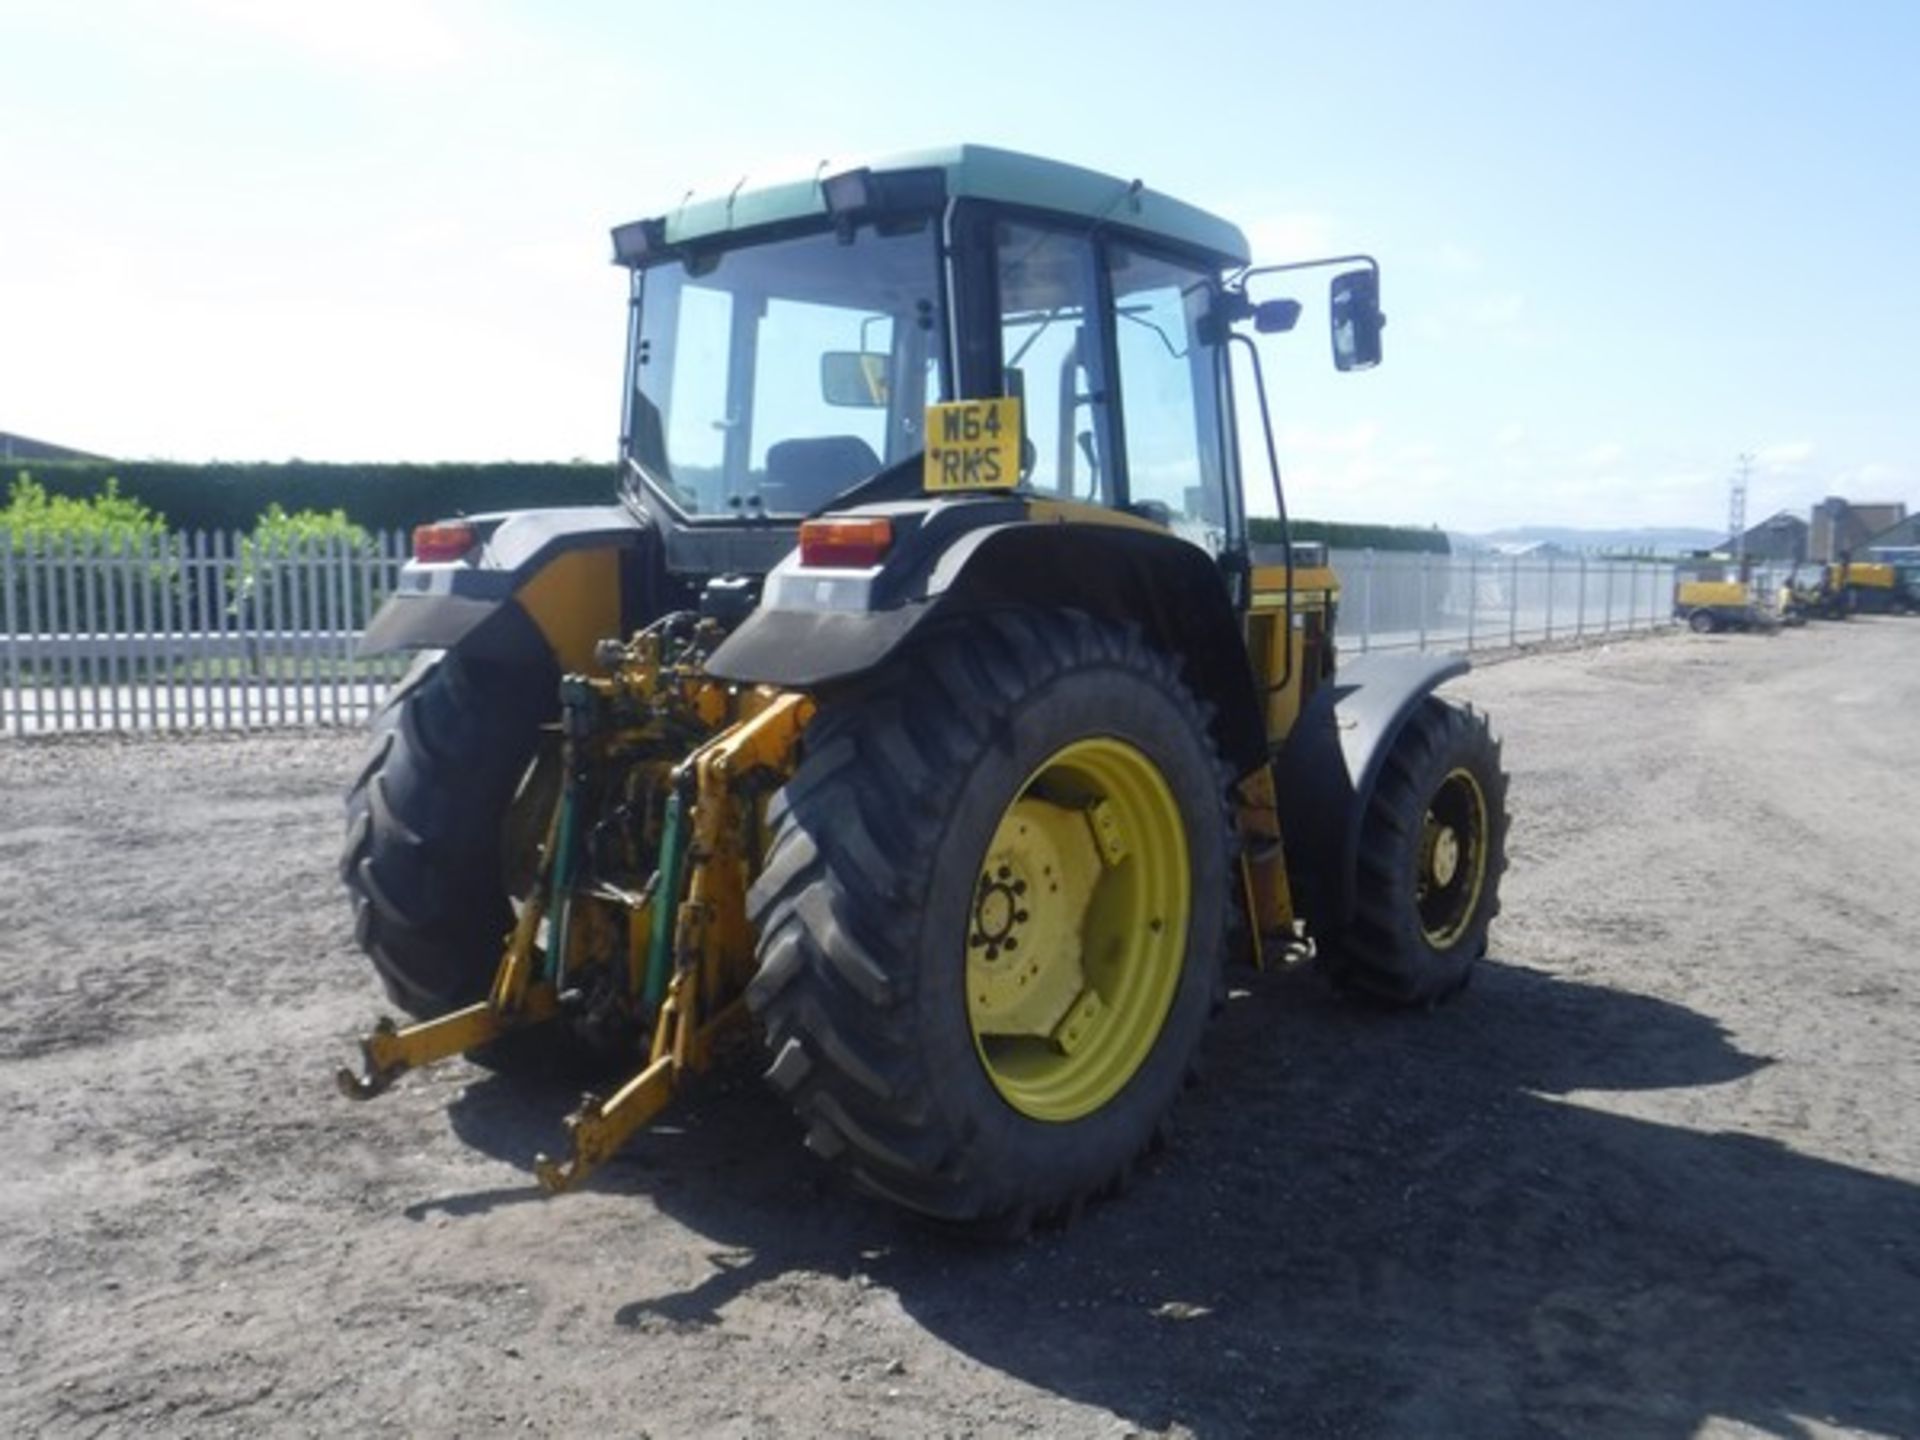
(1513, 602)
(110, 628)
(114, 627)
(15, 697)
(35, 571)
(1366, 610)
(1473, 594)
(1426, 593)
(1549, 634)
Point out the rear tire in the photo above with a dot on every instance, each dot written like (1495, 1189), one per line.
(422, 861)
(1433, 845)
(879, 984)
(1701, 622)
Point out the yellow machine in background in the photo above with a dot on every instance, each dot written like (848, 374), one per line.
(1711, 593)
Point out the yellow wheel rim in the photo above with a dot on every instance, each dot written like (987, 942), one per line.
(1451, 868)
(1078, 930)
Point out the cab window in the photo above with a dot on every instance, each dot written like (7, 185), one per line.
(1050, 358)
(1169, 396)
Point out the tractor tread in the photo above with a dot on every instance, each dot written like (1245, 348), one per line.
(1382, 955)
(836, 908)
(421, 857)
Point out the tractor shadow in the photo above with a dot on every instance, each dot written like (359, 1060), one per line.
(1366, 1224)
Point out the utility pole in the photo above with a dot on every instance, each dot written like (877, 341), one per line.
(1737, 512)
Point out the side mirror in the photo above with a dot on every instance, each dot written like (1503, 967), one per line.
(856, 379)
(1354, 302)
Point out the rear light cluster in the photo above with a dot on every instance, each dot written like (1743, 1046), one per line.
(848, 544)
(442, 540)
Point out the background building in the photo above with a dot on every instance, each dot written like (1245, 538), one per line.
(1841, 527)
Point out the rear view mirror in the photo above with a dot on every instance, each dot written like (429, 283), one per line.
(854, 378)
(1354, 302)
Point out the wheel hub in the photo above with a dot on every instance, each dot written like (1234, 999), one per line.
(1453, 859)
(997, 912)
(1077, 929)
(1443, 852)
(1024, 960)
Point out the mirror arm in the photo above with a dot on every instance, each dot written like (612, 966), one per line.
(1241, 277)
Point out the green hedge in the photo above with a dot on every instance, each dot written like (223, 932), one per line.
(379, 497)
(398, 497)
(1339, 535)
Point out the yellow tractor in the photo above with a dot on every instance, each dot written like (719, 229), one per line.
(920, 704)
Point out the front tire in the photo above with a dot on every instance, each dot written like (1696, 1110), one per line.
(422, 861)
(992, 915)
(1433, 845)
(1702, 622)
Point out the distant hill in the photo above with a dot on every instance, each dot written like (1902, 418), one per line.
(1644, 540)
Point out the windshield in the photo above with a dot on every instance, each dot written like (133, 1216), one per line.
(766, 380)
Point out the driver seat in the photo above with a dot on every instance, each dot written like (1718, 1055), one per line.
(803, 475)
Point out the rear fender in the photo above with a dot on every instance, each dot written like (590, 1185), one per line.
(1326, 772)
(540, 588)
(818, 628)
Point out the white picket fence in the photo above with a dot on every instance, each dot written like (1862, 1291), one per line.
(191, 631)
(206, 632)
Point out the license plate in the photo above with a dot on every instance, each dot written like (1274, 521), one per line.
(972, 445)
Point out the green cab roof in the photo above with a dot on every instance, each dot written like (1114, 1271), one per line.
(979, 172)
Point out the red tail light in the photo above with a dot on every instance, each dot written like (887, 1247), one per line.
(851, 544)
(442, 540)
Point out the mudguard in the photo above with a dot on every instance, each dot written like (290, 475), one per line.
(539, 588)
(1325, 773)
(820, 627)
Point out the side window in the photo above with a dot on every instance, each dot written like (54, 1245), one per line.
(696, 433)
(1169, 397)
(1049, 348)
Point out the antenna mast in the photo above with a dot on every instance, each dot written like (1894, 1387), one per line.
(1737, 510)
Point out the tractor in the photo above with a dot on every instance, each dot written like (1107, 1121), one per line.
(919, 704)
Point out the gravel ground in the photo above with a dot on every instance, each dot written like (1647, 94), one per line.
(1656, 1174)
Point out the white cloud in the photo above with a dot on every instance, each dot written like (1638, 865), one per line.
(1786, 455)
(1501, 313)
(402, 37)
(1355, 439)
(1454, 259)
(1600, 456)
(1874, 480)
(1275, 239)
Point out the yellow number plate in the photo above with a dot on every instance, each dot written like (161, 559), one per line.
(973, 445)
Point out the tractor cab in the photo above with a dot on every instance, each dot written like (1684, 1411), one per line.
(1065, 333)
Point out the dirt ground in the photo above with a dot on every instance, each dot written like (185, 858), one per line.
(1656, 1174)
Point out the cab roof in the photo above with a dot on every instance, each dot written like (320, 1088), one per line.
(980, 172)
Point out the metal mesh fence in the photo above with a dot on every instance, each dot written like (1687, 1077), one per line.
(1393, 600)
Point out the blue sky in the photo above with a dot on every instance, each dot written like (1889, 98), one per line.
(1623, 243)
